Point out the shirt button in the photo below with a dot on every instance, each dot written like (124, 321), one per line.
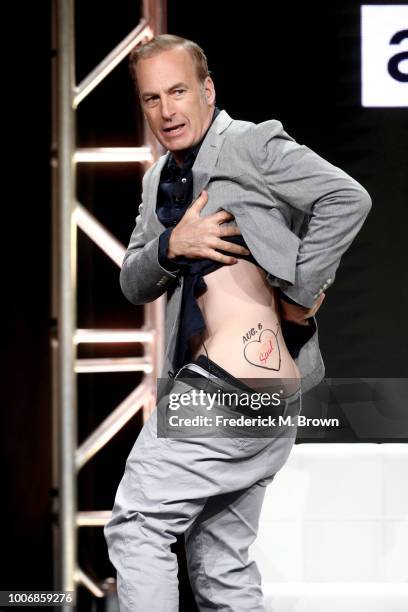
(174, 222)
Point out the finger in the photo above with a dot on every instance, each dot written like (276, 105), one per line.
(216, 256)
(320, 299)
(200, 202)
(230, 247)
(318, 303)
(221, 216)
(312, 311)
(230, 230)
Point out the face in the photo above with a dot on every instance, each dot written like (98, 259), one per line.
(178, 108)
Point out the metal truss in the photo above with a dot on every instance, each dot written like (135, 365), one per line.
(69, 216)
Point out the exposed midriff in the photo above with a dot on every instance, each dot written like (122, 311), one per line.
(243, 325)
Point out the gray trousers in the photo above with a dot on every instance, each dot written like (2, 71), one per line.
(210, 489)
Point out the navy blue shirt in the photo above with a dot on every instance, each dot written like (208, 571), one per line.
(174, 196)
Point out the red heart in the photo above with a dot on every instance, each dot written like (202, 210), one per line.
(265, 352)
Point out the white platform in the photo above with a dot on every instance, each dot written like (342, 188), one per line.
(333, 534)
(336, 597)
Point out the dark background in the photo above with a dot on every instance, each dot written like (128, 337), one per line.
(299, 63)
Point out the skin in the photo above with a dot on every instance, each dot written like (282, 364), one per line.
(261, 347)
(179, 108)
(243, 326)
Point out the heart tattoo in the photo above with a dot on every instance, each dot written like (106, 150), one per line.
(265, 352)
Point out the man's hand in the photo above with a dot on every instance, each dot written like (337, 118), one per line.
(299, 314)
(198, 237)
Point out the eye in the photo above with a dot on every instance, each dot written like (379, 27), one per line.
(150, 100)
(179, 92)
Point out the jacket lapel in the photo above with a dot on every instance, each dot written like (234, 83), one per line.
(202, 168)
(152, 193)
(208, 154)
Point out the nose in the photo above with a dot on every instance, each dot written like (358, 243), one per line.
(167, 108)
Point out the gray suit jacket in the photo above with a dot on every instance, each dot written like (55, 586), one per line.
(297, 213)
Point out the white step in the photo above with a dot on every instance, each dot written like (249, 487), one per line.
(335, 521)
(336, 597)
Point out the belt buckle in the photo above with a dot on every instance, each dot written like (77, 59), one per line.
(185, 370)
(179, 373)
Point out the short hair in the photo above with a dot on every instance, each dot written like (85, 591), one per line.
(165, 42)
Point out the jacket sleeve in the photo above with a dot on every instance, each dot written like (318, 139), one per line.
(336, 204)
(142, 278)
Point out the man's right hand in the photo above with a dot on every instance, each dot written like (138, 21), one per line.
(198, 237)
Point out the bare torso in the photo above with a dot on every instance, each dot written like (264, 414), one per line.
(243, 333)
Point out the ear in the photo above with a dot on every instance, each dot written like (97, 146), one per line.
(209, 90)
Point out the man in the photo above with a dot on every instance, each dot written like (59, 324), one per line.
(221, 180)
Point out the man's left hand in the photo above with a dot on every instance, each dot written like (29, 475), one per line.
(300, 314)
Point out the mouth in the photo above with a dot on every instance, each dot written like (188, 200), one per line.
(174, 130)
